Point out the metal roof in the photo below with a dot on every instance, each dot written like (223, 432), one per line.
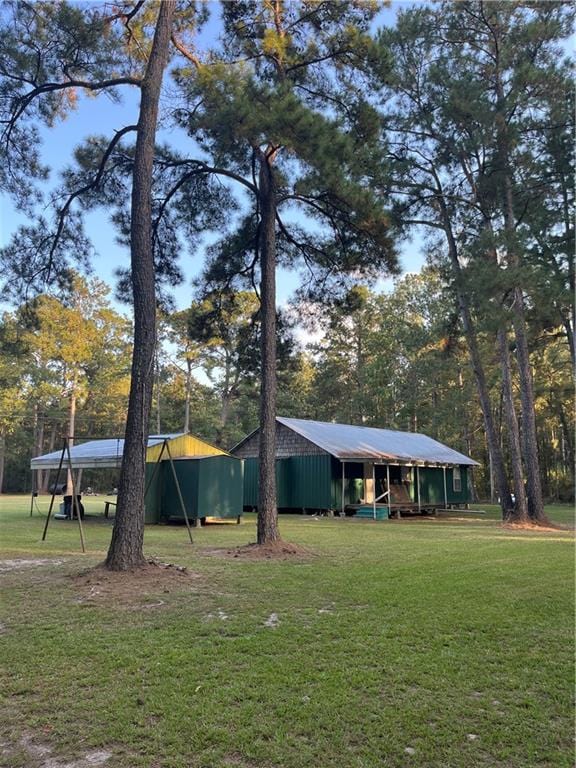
(347, 442)
(95, 453)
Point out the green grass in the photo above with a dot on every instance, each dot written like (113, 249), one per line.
(393, 635)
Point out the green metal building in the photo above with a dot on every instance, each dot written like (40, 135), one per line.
(211, 487)
(210, 479)
(360, 471)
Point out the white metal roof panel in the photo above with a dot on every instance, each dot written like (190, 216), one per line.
(349, 442)
(94, 453)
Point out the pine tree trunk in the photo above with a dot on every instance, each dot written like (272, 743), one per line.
(529, 434)
(569, 317)
(568, 435)
(188, 394)
(520, 506)
(127, 545)
(158, 404)
(267, 507)
(498, 470)
(2, 461)
(530, 438)
(530, 443)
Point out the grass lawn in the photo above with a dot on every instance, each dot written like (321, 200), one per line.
(421, 643)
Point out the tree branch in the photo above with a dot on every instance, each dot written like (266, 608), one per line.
(86, 188)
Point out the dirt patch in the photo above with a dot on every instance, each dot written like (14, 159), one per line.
(547, 527)
(130, 588)
(272, 621)
(6, 566)
(278, 550)
(41, 756)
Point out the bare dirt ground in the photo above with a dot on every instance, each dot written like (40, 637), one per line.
(550, 527)
(278, 550)
(20, 564)
(38, 755)
(121, 587)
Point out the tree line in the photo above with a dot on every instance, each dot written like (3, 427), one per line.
(396, 358)
(317, 143)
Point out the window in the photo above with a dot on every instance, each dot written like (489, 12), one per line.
(456, 480)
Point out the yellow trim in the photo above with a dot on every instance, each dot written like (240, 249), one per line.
(185, 445)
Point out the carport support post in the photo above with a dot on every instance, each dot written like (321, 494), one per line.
(153, 475)
(32, 493)
(388, 489)
(74, 497)
(54, 491)
(445, 490)
(179, 491)
(374, 490)
(418, 485)
(343, 479)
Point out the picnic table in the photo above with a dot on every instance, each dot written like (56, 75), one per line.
(107, 505)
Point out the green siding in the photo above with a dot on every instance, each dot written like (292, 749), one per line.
(353, 483)
(315, 482)
(153, 498)
(431, 485)
(302, 482)
(455, 497)
(187, 473)
(220, 480)
(310, 481)
(284, 483)
(211, 487)
(250, 482)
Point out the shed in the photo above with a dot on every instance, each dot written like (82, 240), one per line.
(354, 470)
(211, 486)
(210, 479)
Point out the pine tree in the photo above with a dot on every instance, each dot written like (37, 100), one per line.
(280, 112)
(476, 84)
(87, 56)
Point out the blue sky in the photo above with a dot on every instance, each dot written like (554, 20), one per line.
(101, 116)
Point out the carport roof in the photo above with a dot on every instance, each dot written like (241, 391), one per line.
(94, 453)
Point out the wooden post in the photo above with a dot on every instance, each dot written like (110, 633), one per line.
(74, 498)
(343, 480)
(388, 488)
(179, 491)
(374, 491)
(32, 494)
(418, 486)
(445, 489)
(54, 491)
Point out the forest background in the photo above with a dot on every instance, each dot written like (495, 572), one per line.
(380, 354)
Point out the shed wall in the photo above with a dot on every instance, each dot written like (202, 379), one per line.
(315, 482)
(302, 482)
(152, 500)
(210, 486)
(455, 497)
(220, 487)
(187, 473)
(432, 486)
